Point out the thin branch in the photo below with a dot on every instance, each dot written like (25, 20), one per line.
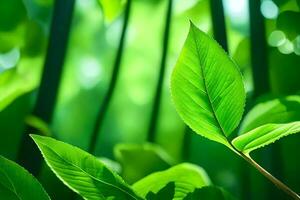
(107, 99)
(29, 156)
(269, 176)
(157, 98)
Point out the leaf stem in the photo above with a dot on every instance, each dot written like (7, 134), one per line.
(269, 176)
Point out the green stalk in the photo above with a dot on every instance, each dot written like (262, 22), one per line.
(258, 50)
(269, 176)
(218, 23)
(29, 155)
(157, 97)
(107, 99)
(280, 185)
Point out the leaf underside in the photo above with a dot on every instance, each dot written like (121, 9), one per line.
(207, 88)
(82, 172)
(264, 135)
(272, 111)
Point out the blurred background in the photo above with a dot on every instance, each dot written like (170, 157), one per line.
(97, 73)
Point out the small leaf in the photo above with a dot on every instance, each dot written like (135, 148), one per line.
(19, 80)
(264, 135)
(38, 124)
(139, 161)
(207, 88)
(82, 172)
(166, 193)
(272, 110)
(210, 193)
(288, 22)
(17, 183)
(186, 177)
(112, 8)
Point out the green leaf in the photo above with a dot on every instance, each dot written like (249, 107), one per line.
(82, 172)
(38, 124)
(19, 80)
(264, 135)
(209, 193)
(166, 192)
(288, 22)
(138, 161)
(207, 88)
(17, 183)
(112, 8)
(272, 110)
(186, 177)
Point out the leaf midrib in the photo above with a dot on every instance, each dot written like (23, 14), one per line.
(95, 178)
(206, 90)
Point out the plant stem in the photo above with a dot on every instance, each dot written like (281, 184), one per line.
(218, 23)
(269, 176)
(29, 156)
(157, 98)
(110, 91)
(258, 47)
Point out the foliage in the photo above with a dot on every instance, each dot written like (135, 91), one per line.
(17, 183)
(208, 93)
(89, 177)
(138, 161)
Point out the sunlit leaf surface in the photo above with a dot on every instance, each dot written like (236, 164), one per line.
(207, 88)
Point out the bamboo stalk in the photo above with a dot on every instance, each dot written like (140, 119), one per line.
(218, 23)
(109, 94)
(158, 92)
(29, 155)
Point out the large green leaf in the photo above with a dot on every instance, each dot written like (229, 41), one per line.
(273, 110)
(264, 135)
(207, 88)
(187, 177)
(17, 183)
(209, 193)
(82, 172)
(139, 161)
